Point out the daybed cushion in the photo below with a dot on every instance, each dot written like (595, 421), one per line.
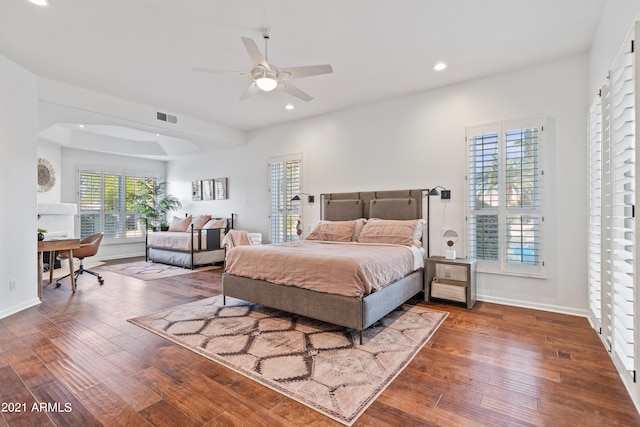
(181, 240)
(180, 224)
(397, 232)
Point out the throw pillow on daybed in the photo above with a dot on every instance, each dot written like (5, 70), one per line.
(200, 220)
(180, 224)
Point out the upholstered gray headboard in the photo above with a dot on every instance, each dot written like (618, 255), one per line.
(396, 204)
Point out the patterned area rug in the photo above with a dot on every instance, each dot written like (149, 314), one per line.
(318, 364)
(149, 270)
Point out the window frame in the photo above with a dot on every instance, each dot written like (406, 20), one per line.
(281, 205)
(125, 235)
(499, 206)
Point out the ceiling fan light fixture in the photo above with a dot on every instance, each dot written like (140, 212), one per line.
(266, 84)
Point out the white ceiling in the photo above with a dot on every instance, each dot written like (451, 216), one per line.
(144, 50)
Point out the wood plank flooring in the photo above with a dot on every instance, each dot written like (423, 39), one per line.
(491, 366)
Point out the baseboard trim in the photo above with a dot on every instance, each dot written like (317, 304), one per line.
(535, 306)
(13, 310)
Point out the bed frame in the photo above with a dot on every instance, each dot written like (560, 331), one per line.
(194, 257)
(350, 312)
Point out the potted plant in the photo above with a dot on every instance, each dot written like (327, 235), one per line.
(41, 232)
(153, 203)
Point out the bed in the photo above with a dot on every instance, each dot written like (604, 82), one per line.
(350, 309)
(190, 242)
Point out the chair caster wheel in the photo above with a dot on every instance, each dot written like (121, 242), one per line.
(58, 284)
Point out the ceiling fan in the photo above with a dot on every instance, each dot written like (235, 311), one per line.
(267, 77)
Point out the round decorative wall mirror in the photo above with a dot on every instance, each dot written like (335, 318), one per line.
(46, 175)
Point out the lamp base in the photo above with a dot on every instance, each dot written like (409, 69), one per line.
(450, 255)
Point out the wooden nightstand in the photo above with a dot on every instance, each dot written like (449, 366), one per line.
(455, 279)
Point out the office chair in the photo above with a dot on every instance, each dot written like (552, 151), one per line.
(88, 247)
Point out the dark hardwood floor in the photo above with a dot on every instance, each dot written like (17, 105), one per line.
(491, 366)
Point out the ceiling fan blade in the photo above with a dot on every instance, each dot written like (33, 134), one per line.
(251, 90)
(292, 90)
(254, 53)
(210, 71)
(310, 70)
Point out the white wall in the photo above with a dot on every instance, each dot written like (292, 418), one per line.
(72, 159)
(418, 141)
(51, 152)
(18, 181)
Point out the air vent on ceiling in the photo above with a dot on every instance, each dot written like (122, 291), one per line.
(165, 117)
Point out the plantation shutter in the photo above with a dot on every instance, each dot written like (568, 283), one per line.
(504, 194)
(106, 201)
(113, 202)
(607, 272)
(90, 203)
(595, 212)
(523, 194)
(482, 180)
(285, 183)
(133, 223)
(623, 166)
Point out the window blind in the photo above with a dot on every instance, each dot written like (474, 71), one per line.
(622, 204)
(504, 194)
(607, 271)
(113, 203)
(522, 171)
(285, 183)
(483, 176)
(106, 201)
(90, 203)
(595, 212)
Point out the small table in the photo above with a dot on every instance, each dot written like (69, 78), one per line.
(51, 246)
(455, 279)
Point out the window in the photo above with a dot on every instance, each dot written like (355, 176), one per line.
(106, 204)
(284, 183)
(504, 197)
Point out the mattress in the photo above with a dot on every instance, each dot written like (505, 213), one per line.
(182, 240)
(349, 269)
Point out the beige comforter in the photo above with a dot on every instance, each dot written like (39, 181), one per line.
(350, 269)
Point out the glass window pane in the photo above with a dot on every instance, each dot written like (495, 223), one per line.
(484, 237)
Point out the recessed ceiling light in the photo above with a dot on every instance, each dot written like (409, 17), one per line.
(40, 2)
(289, 107)
(440, 66)
(81, 126)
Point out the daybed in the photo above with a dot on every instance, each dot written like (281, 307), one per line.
(189, 242)
(352, 309)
